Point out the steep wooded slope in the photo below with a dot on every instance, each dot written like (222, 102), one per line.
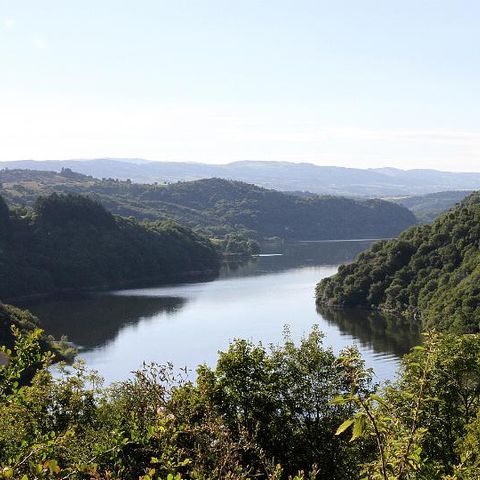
(430, 273)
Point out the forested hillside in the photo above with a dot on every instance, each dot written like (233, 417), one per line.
(69, 242)
(428, 207)
(431, 273)
(219, 207)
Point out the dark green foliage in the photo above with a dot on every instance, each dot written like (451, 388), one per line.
(451, 392)
(72, 242)
(10, 315)
(25, 322)
(218, 207)
(237, 244)
(430, 272)
(58, 210)
(281, 399)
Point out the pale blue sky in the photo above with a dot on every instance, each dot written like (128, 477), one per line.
(357, 83)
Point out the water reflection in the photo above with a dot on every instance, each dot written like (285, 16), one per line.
(378, 331)
(285, 256)
(94, 320)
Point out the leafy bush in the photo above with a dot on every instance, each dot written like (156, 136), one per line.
(426, 423)
(263, 413)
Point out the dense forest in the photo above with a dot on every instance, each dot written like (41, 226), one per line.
(70, 242)
(290, 411)
(217, 207)
(431, 273)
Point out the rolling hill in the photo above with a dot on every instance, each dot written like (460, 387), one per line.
(218, 207)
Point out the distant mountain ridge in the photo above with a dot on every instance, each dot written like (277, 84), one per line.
(285, 176)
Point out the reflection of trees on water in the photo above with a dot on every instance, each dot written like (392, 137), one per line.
(296, 255)
(239, 269)
(382, 332)
(324, 253)
(93, 321)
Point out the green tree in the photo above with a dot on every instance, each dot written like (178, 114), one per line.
(420, 421)
(281, 399)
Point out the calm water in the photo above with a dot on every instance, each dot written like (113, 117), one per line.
(188, 323)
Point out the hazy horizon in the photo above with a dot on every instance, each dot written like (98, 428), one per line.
(146, 160)
(348, 84)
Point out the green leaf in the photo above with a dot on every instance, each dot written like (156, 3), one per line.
(344, 426)
(379, 399)
(358, 427)
(7, 472)
(339, 400)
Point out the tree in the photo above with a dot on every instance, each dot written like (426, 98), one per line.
(419, 422)
(281, 398)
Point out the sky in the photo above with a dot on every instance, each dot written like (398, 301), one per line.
(348, 83)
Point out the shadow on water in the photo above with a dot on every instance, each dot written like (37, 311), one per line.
(96, 319)
(379, 331)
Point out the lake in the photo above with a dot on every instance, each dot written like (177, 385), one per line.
(188, 323)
